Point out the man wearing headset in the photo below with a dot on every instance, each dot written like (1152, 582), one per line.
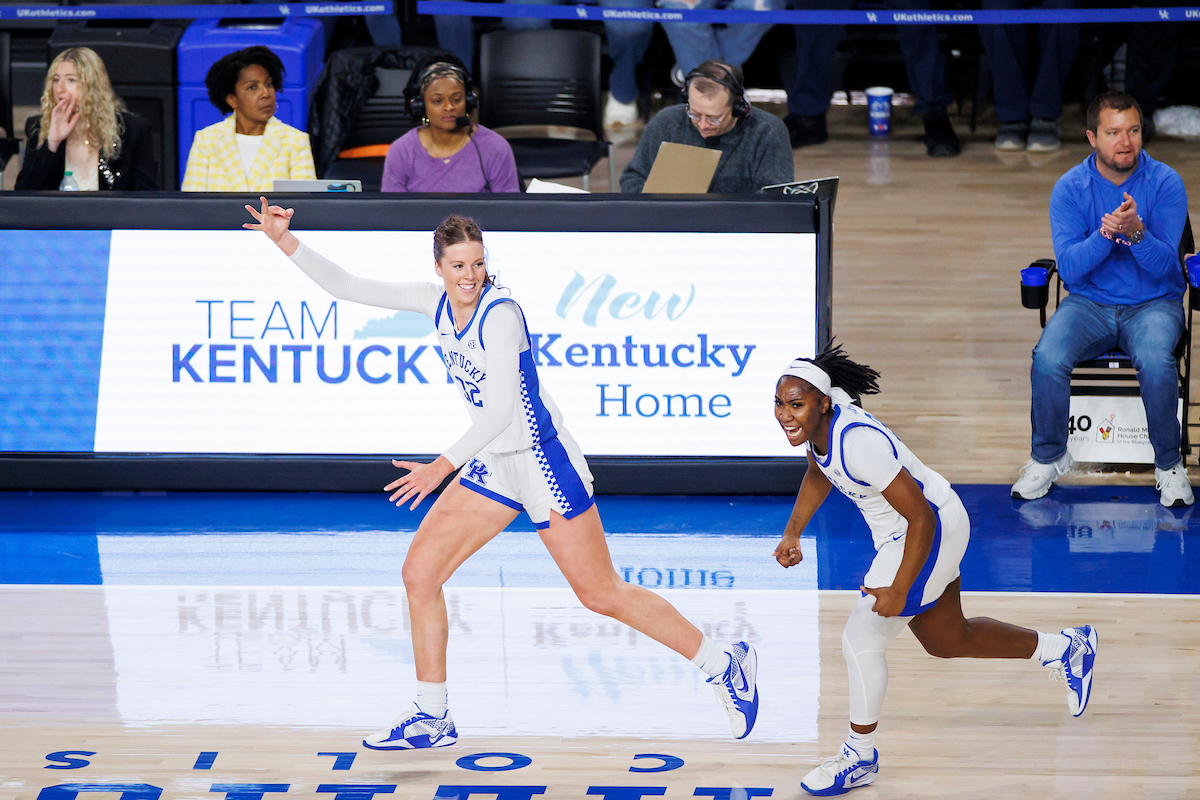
(714, 113)
(447, 152)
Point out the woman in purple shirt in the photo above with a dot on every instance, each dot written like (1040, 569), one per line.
(447, 153)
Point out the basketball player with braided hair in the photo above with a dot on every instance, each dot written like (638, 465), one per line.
(516, 456)
(920, 531)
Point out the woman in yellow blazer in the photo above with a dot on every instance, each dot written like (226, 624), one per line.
(249, 149)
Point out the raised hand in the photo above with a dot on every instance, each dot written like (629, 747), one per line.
(274, 222)
(63, 118)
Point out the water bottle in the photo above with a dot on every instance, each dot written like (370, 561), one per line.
(68, 183)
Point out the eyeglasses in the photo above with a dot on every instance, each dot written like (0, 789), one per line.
(711, 121)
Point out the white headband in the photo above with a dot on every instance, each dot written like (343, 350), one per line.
(808, 371)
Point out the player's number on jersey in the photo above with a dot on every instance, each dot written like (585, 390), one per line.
(470, 391)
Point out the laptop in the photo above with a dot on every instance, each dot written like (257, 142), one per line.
(682, 169)
(814, 187)
(318, 185)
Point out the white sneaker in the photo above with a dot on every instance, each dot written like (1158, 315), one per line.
(414, 730)
(737, 688)
(1075, 667)
(1174, 489)
(619, 115)
(841, 773)
(1036, 478)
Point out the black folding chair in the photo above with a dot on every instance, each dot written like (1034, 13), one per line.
(546, 77)
(1112, 373)
(10, 146)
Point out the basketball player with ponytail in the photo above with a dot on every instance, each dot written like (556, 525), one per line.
(516, 456)
(920, 531)
(447, 152)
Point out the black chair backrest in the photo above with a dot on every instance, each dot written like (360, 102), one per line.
(1187, 242)
(348, 85)
(10, 146)
(6, 95)
(540, 77)
(384, 118)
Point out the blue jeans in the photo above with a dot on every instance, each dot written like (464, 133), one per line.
(1007, 50)
(816, 45)
(627, 42)
(696, 42)
(1081, 329)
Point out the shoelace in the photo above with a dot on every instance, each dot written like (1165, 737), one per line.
(836, 764)
(726, 693)
(413, 711)
(1170, 476)
(1052, 468)
(1058, 673)
(1030, 466)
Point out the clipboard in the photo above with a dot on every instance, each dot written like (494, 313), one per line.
(682, 169)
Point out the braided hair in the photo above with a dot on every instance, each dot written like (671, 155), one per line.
(856, 379)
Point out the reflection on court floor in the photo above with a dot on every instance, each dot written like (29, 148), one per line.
(521, 661)
(374, 558)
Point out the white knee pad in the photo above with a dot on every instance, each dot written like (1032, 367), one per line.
(864, 644)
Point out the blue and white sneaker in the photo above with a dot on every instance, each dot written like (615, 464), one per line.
(1075, 668)
(414, 731)
(840, 774)
(737, 688)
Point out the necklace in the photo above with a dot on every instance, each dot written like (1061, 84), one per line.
(437, 151)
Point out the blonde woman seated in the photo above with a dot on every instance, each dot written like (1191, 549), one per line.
(84, 129)
(249, 149)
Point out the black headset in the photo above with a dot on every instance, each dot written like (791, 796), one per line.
(415, 98)
(737, 92)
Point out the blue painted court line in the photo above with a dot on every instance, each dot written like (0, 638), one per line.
(1077, 539)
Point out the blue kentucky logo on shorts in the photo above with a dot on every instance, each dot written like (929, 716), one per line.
(477, 471)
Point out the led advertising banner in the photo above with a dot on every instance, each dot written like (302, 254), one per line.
(177, 341)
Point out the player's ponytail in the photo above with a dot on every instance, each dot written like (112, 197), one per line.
(857, 379)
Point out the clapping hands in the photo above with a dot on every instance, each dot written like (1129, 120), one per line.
(1122, 221)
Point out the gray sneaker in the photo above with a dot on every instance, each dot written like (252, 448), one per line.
(1036, 479)
(1044, 136)
(1011, 136)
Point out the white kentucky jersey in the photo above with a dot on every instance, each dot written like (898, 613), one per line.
(864, 458)
(536, 419)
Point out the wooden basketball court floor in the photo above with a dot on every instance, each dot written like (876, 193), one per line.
(177, 647)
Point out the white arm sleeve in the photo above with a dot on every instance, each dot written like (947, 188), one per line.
(415, 296)
(504, 333)
(869, 457)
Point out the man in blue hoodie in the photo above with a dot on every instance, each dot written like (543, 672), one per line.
(1116, 220)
